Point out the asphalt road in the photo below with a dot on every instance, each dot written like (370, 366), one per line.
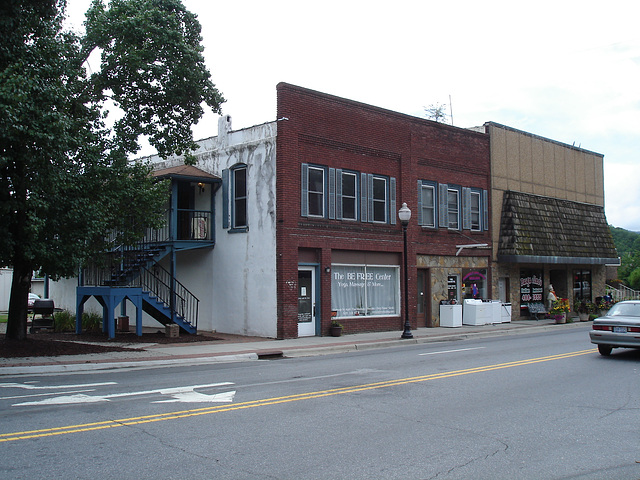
(543, 406)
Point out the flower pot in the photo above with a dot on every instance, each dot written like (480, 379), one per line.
(561, 318)
(336, 330)
(584, 317)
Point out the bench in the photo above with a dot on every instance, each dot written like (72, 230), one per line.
(536, 309)
(44, 308)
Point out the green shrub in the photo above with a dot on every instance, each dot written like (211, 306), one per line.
(65, 321)
(91, 322)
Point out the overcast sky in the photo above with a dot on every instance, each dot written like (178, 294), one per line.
(565, 70)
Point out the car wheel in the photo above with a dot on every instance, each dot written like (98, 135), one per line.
(605, 350)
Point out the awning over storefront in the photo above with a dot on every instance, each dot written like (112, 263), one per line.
(537, 229)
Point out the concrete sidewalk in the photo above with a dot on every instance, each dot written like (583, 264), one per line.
(232, 350)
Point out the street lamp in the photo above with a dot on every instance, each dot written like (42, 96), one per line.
(404, 214)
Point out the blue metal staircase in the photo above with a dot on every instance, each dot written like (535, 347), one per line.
(134, 273)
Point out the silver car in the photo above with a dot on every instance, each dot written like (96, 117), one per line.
(620, 327)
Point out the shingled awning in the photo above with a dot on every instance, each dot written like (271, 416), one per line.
(536, 229)
(186, 172)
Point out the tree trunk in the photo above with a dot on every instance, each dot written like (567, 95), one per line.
(20, 287)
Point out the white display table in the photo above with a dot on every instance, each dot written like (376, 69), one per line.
(450, 315)
(477, 312)
(505, 313)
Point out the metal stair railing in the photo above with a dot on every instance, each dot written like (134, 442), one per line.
(128, 267)
(622, 293)
(157, 282)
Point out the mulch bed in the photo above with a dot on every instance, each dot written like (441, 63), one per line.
(43, 344)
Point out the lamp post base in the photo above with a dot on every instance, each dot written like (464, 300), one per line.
(406, 334)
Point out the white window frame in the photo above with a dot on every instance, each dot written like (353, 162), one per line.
(321, 193)
(453, 209)
(377, 201)
(353, 197)
(475, 208)
(235, 197)
(424, 187)
(362, 311)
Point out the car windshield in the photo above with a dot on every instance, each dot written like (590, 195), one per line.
(625, 309)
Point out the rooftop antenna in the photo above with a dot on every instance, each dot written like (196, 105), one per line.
(451, 109)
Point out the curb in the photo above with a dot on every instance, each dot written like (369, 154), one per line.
(89, 367)
(259, 354)
(364, 346)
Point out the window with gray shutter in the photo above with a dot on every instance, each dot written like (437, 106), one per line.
(466, 208)
(392, 201)
(332, 193)
(443, 218)
(304, 189)
(225, 198)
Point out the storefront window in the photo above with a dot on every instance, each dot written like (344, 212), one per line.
(364, 290)
(531, 289)
(474, 283)
(582, 285)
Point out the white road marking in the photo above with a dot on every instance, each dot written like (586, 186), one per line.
(179, 394)
(451, 351)
(195, 397)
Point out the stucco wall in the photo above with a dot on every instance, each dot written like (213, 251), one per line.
(236, 280)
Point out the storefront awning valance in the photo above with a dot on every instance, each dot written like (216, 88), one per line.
(537, 229)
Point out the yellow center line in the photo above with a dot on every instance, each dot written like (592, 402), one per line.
(88, 427)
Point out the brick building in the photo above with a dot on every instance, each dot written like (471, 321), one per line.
(343, 170)
(283, 227)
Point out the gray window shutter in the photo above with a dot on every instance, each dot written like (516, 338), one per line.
(364, 204)
(339, 193)
(466, 208)
(485, 210)
(392, 201)
(370, 196)
(225, 198)
(443, 221)
(420, 220)
(332, 193)
(304, 187)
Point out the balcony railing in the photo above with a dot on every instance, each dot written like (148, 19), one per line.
(194, 225)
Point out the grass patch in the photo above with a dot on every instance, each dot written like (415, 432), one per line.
(3, 317)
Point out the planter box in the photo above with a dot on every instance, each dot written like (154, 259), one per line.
(172, 331)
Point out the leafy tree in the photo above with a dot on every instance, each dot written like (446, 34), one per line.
(65, 178)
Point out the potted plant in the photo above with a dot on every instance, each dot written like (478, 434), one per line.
(582, 309)
(560, 310)
(603, 307)
(336, 328)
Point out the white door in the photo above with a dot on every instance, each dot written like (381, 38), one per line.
(306, 301)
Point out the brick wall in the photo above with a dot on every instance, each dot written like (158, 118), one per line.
(339, 133)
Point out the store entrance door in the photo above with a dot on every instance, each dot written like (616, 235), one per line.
(424, 305)
(306, 302)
